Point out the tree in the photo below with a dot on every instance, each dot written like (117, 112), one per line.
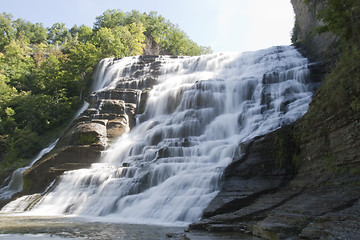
(110, 19)
(108, 44)
(57, 33)
(83, 33)
(156, 26)
(51, 76)
(132, 36)
(82, 60)
(7, 31)
(36, 33)
(40, 33)
(16, 64)
(44, 73)
(342, 17)
(6, 92)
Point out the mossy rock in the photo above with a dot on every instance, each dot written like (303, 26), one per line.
(86, 139)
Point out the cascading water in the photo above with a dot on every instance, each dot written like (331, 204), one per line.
(169, 167)
(14, 183)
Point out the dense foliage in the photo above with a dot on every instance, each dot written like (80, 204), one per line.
(342, 17)
(340, 90)
(45, 73)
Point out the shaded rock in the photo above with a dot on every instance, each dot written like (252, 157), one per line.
(53, 164)
(296, 214)
(343, 224)
(315, 46)
(318, 194)
(265, 166)
(313, 184)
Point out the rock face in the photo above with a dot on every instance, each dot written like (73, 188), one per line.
(286, 186)
(110, 113)
(316, 46)
(303, 180)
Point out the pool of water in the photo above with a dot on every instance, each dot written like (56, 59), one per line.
(25, 227)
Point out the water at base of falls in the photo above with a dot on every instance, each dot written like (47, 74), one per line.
(27, 227)
(169, 167)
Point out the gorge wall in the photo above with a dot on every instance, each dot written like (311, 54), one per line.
(302, 181)
(316, 46)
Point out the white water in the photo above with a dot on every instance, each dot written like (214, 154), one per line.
(15, 181)
(168, 168)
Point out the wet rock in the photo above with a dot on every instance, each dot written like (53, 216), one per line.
(313, 190)
(53, 164)
(116, 127)
(258, 171)
(111, 113)
(111, 106)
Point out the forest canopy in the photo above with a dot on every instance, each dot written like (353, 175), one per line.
(45, 73)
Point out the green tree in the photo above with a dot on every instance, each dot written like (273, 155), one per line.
(50, 75)
(134, 17)
(342, 17)
(6, 92)
(82, 60)
(120, 41)
(176, 42)
(7, 31)
(110, 19)
(108, 43)
(36, 33)
(17, 64)
(156, 26)
(132, 37)
(57, 33)
(44, 73)
(82, 33)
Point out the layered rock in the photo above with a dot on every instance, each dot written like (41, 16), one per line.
(314, 192)
(111, 113)
(286, 186)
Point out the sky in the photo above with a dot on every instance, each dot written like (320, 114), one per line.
(224, 25)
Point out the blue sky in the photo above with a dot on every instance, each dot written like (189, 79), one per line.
(224, 25)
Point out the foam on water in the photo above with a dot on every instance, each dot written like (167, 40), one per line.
(168, 168)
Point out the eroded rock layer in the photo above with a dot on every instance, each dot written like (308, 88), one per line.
(111, 113)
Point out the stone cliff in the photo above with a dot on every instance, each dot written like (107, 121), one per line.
(317, 47)
(301, 181)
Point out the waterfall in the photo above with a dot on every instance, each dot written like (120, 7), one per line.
(14, 183)
(168, 168)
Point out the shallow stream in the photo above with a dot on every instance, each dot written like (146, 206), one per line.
(25, 227)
